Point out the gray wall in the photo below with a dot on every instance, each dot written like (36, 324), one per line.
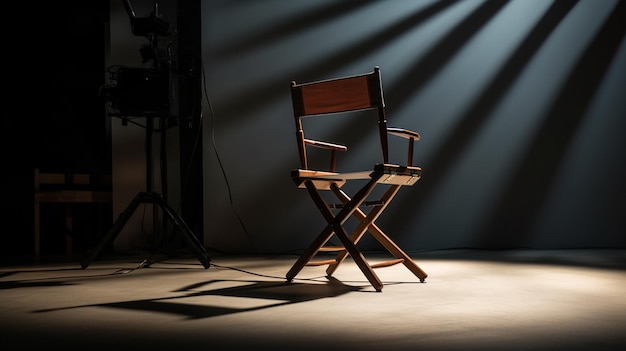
(519, 103)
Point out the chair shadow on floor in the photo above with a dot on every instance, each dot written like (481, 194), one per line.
(236, 296)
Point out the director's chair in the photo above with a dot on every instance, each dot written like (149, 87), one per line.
(335, 97)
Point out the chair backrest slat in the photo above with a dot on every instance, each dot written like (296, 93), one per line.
(334, 96)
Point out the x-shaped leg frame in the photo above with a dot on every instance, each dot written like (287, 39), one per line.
(366, 223)
(335, 226)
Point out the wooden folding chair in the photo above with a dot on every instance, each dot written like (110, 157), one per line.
(68, 189)
(336, 97)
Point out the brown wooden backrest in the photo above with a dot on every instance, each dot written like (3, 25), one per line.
(343, 94)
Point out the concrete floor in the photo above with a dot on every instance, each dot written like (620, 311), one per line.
(472, 300)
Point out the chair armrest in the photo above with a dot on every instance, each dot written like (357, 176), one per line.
(404, 133)
(329, 146)
(325, 145)
(407, 134)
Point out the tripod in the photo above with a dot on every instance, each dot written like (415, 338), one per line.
(139, 91)
(156, 199)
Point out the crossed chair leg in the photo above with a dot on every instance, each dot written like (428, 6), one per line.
(366, 224)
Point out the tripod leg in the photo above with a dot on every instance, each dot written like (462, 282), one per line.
(188, 235)
(113, 232)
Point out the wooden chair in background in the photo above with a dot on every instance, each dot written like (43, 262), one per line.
(68, 189)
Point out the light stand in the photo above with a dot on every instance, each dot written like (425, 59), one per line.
(157, 200)
(120, 96)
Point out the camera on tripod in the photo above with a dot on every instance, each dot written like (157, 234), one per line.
(141, 92)
(138, 91)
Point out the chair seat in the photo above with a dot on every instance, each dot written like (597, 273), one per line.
(384, 173)
(74, 196)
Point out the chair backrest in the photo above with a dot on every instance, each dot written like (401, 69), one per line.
(71, 188)
(68, 189)
(331, 96)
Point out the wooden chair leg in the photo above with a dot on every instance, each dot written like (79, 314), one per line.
(377, 233)
(359, 259)
(335, 225)
(37, 220)
(69, 227)
(310, 252)
(397, 252)
(365, 221)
